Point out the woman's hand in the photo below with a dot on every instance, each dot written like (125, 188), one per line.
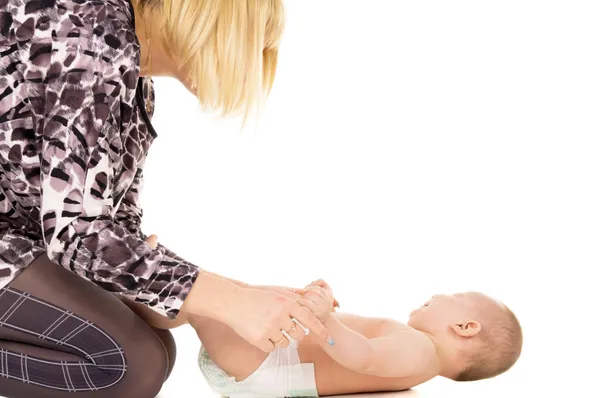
(261, 316)
(265, 316)
(289, 292)
(319, 301)
(152, 241)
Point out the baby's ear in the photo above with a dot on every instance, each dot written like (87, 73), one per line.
(467, 328)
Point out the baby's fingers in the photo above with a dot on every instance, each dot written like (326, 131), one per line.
(311, 305)
(318, 291)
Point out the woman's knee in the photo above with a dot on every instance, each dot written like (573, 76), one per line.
(148, 362)
(119, 337)
(170, 346)
(164, 335)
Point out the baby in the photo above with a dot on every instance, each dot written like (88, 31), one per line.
(463, 337)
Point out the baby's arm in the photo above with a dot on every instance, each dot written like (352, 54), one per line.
(395, 351)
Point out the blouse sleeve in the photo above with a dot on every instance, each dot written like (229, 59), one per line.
(78, 120)
(129, 213)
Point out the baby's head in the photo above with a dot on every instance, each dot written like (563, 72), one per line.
(482, 336)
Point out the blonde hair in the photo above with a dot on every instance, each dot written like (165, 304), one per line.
(228, 47)
(499, 348)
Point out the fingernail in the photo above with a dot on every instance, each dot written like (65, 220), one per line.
(330, 342)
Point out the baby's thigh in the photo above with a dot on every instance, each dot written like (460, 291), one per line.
(227, 349)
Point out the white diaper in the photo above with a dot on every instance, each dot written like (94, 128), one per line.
(280, 375)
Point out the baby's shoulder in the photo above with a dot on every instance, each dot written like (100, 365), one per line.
(369, 326)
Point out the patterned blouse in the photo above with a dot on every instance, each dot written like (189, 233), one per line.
(74, 135)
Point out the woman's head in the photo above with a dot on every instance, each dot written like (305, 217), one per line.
(226, 50)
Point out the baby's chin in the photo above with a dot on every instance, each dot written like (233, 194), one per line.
(412, 318)
(418, 318)
(417, 311)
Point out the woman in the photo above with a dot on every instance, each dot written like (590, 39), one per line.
(75, 108)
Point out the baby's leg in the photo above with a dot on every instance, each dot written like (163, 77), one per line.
(226, 348)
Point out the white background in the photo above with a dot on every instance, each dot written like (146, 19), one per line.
(408, 148)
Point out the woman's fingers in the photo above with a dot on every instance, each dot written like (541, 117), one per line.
(310, 321)
(263, 317)
(152, 241)
(279, 340)
(289, 292)
(295, 330)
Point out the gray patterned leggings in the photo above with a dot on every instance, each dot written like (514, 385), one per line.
(62, 336)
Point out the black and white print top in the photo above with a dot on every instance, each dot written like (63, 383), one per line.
(74, 135)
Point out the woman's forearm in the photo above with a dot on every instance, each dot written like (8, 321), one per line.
(234, 281)
(212, 296)
(210, 301)
(352, 350)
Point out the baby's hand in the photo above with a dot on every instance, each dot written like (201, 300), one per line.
(319, 301)
(325, 285)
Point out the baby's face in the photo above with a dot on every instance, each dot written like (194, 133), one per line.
(442, 310)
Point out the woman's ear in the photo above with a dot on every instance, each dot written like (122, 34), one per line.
(467, 328)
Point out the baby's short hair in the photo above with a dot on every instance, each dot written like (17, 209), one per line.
(498, 347)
